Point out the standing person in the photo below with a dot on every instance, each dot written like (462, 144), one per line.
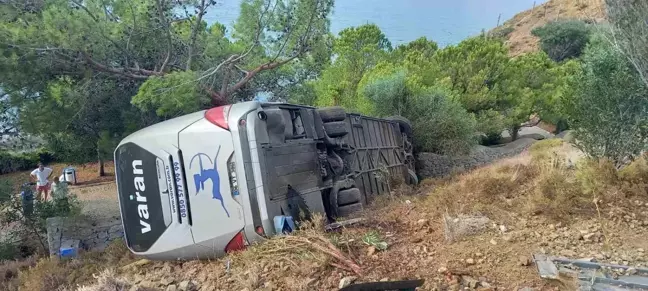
(42, 175)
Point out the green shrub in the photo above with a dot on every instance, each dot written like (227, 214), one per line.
(596, 177)
(66, 207)
(608, 111)
(563, 39)
(502, 32)
(491, 124)
(8, 250)
(441, 125)
(72, 148)
(63, 204)
(30, 227)
(13, 162)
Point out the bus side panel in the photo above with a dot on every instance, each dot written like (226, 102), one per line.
(378, 157)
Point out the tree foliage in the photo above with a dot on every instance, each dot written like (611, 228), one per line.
(563, 39)
(629, 26)
(419, 48)
(440, 123)
(143, 39)
(68, 69)
(356, 50)
(83, 74)
(531, 86)
(609, 109)
(473, 70)
(170, 95)
(499, 91)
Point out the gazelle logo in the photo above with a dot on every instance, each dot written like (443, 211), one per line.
(208, 174)
(142, 207)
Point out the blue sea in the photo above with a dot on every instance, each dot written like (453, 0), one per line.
(446, 22)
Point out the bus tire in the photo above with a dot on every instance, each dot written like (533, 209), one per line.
(336, 128)
(412, 179)
(404, 124)
(348, 196)
(349, 209)
(330, 114)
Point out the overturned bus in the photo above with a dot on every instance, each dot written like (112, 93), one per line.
(213, 181)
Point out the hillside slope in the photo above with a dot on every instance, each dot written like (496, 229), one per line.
(520, 39)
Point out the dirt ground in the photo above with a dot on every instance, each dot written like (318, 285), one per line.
(99, 200)
(497, 256)
(548, 200)
(98, 195)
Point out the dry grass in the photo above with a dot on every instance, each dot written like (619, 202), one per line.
(555, 194)
(546, 149)
(109, 280)
(548, 184)
(636, 172)
(9, 271)
(403, 234)
(54, 274)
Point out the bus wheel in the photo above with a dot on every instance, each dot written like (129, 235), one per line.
(336, 128)
(348, 196)
(330, 114)
(349, 209)
(412, 178)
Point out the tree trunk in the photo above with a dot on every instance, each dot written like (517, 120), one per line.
(515, 132)
(102, 172)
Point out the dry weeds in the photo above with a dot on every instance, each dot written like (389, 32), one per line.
(54, 274)
(9, 271)
(540, 205)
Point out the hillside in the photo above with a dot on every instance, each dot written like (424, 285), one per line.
(483, 239)
(520, 39)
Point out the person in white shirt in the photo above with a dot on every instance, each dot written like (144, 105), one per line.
(42, 175)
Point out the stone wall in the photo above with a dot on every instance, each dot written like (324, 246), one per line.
(431, 165)
(89, 235)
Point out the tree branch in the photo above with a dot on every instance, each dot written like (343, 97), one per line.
(103, 34)
(194, 33)
(214, 70)
(165, 23)
(531, 123)
(255, 71)
(130, 34)
(80, 5)
(216, 99)
(225, 81)
(101, 67)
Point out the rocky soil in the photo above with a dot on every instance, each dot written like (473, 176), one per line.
(472, 231)
(498, 258)
(496, 254)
